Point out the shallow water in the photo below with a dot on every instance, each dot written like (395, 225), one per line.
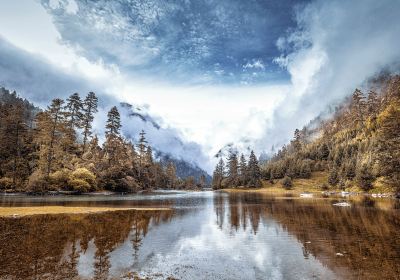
(205, 235)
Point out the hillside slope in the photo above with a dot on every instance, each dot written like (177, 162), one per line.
(358, 146)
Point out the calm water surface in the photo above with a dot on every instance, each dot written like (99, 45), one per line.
(205, 235)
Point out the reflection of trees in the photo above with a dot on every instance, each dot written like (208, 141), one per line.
(219, 207)
(48, 246)
(367, 236)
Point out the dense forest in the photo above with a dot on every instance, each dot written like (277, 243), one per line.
(237, 172)
(55, 150)
(357, 146)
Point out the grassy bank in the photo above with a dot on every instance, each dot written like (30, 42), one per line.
(313, 185)
(41, 210)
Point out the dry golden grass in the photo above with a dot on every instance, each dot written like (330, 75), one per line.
(312, 184)
(41, 210)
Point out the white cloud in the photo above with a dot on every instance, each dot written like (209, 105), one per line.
(336, 47)
(255, 64)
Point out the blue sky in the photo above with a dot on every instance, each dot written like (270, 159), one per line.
(210, 41)
(211, 72)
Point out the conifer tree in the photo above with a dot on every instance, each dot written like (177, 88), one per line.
(113, 137)
(202, 181)
(232, 173)
(171, 175)
(243, 170)
(51, 127)
(13, 141)
(254, 171)
(89, 109)
(218, 174)
(389, 142)
(74, 111)
(359, 106)
(142, 145)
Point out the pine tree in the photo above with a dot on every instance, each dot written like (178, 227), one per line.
(142, 146)
(389, 142)
(202, 181)
(372, 103)
(254, 171)
(297, 140)
(243, 170)
(51, 127)
(89, 109)
(149, 156)
(74, 111)
(218, 174)
(232, 174)
(113, 136)
(365, 178)
(359, 106)
(113, 125)
(13, 142)
(171, 175)
(333, 178)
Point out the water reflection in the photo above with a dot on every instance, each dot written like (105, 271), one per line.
(205, 236)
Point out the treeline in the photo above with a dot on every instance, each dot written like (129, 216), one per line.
(237, 172)
(55, 150)
(358, 146)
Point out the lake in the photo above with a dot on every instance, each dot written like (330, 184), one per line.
(203, 235)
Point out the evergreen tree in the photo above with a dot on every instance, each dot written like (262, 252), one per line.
(333, 178)
(359, 106)
(89, 109)
(365, 178)
(51, 127)
(218, 174)
(232, 174)
(389, 142)
(113, 137)
(297, 140)
(74, 111)
(243, 176)
(171, 175)
(202, 181)
(254, 172)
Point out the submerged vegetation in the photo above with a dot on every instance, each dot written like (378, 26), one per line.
(55, 150)
(358, 147)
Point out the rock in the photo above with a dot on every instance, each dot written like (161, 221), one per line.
(342, 204)
(306, 195)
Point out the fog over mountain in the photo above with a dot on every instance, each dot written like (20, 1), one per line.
(199, 75)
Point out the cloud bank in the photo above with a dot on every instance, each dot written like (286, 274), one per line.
(335, 47)
(245, 73)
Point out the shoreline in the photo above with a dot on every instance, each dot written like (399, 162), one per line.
(22, 211)
(299, 192)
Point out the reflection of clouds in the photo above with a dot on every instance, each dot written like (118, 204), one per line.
(194, 247)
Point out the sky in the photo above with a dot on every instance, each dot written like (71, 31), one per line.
(210, 73)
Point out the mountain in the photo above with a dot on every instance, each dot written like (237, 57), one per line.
(166, 142)
(357, 145)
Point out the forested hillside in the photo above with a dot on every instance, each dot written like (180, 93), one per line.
(358, 146)
(55, 150)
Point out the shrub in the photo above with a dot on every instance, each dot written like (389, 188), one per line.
(333, 178)
(287, 182)
(128, 184)
(6, 183)
(79, 185)
(365, 178)
(37, 182)
(59, 179)
(84, 175)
